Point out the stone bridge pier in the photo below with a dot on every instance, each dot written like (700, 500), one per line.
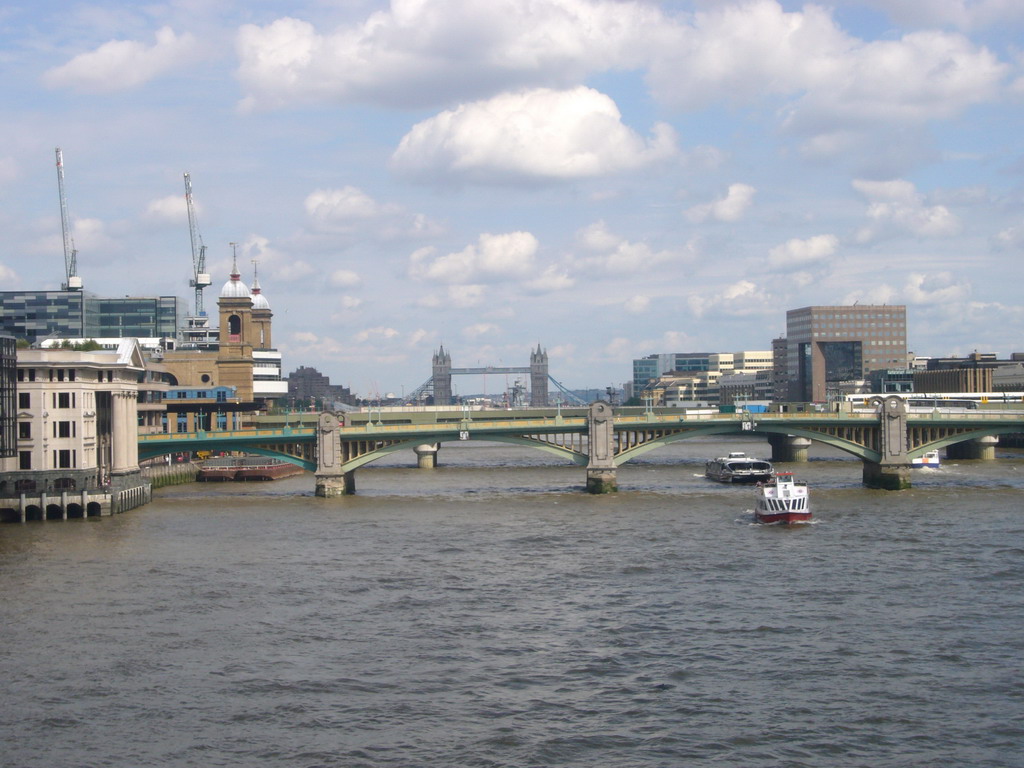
(331, 480)
(601, 437)
(980, 448)
(892, 473)
(426, 455)
(789, 448)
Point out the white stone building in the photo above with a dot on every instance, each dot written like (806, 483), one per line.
(77, 434)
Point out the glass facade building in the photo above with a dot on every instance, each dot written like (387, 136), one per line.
(35, 315)
(648, 368)
(136, 317)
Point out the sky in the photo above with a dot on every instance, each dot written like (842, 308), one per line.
(608, 179)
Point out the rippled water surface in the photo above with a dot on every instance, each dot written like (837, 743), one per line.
(489, 613)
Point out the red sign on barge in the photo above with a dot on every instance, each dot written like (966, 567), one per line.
(782, 500)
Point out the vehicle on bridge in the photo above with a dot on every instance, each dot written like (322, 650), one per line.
(737, 467)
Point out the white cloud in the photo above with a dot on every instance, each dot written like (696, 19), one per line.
(378, 332)
(552, 279)
(281, 266)
(731, 207)
(344, 278)
(349, 209)
(122, 64)
(1011, 237)
(465, 296)
(798, 253)
(637, 305)
(620, 348)
(597, 237)
(170, 209)
(941, 288)
(738, 299)
(421, 54)
(477, 330)
(345, 204)
(749, 52)
(494, 258)
(615, 255)
(530, 135)
(897, 206)
(418, 336)
(7, 275)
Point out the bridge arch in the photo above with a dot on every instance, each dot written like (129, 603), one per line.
(152, 452)
(402, 445)
(736, 428)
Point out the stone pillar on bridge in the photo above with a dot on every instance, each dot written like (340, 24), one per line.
(331, 479)
(789, 448)
(601, 438)
(980, 448)
(426, 455)
(892, 473)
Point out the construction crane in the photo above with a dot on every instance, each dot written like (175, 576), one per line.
(72, 282)
(201, 278)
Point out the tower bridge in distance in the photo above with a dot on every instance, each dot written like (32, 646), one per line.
(439, 385)
(601, 439)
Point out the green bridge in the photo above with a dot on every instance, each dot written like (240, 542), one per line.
(600, 439)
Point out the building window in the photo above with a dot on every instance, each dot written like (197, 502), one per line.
(24, 430)
(64, 429)
(24, 400)
(25, 485)
(63, 399)
(25, 460)
(63, 459)
(64, 484)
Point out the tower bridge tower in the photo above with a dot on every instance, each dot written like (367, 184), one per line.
(442, 375)
(539, 378)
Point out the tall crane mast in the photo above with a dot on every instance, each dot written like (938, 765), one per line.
(72, 282)
(201, 278)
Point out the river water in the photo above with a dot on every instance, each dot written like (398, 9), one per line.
(490, 613)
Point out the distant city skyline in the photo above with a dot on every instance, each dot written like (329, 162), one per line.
(608, 179)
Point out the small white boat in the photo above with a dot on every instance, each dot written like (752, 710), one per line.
(782, 500)
(737, 467)
(930, 459)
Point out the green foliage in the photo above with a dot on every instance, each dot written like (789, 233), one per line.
(89, 345)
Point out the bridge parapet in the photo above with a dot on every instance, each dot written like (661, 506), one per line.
(334, 449)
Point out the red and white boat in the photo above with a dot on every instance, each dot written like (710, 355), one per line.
(782, 500)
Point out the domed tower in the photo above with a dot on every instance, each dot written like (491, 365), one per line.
(237, 334)
(261, 314)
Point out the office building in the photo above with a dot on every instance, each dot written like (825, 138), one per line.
(36, 315)
(648, 369)
(831, 344)
(77, 434)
